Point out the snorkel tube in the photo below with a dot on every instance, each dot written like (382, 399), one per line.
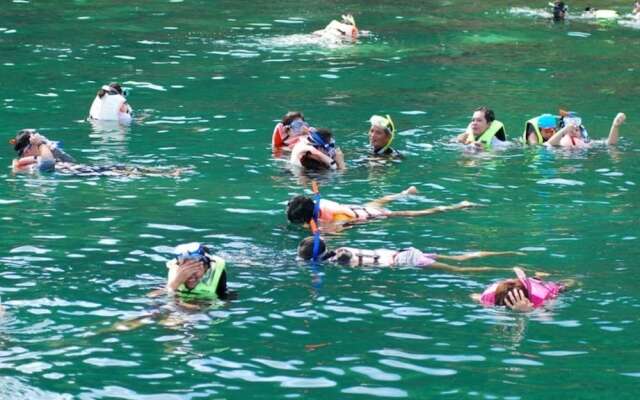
(313, 223)
(387, 124)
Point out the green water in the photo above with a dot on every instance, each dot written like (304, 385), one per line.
(208, 81)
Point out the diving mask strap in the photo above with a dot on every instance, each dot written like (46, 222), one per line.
(314, 223)
(392, 129)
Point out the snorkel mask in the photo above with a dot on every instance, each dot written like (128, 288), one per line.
(193, 251)
(318, 141)
(572, 118)
(387, 124)
(297, 126)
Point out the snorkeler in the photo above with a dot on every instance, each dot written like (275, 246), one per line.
(302, 209)
(573, 134)
(484, 130)
(196, 273)
(410, 257)
(381, 135)
(522, 294)
(317, 151)
(538, 130)
(289, 130)
(111, 104)
(38, 154)
(559, 10)
(342, 30)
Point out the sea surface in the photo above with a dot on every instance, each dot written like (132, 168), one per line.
(209, 80)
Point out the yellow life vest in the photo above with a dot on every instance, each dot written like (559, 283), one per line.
(533, 122)
(495, 129)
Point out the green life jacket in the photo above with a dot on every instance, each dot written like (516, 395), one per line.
(206, 288)
(533, 122)
(495, 129)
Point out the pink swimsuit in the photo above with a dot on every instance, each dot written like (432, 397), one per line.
(539, 291)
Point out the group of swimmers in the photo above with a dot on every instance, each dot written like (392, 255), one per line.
(195, 272)
(560, 10)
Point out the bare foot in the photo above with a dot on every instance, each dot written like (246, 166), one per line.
(410, 190)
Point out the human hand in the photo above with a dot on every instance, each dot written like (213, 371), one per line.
(186, 270)
(36, 139)
(619, 119)
(517, 301)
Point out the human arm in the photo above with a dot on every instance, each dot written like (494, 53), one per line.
(517, 301)
(615, 127)
(339, 159)
(466, 137)
(184, 272)
(557, 137)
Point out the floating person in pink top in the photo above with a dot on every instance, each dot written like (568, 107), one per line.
(522, 294)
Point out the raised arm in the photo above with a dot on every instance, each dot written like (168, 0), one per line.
(615, 127)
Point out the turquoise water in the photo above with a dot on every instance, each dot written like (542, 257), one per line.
(208, 81)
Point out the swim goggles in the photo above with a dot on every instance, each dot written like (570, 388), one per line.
(192, 251)
(297, 126)
(318, 141)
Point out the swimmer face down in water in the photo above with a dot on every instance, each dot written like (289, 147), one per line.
(410, 257)
(300, 210)
(34, 152)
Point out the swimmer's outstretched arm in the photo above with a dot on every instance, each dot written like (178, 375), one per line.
(557, 137)
(391, 197)
(480, 254)
(615, 128)
(434, 210)
(462, 270)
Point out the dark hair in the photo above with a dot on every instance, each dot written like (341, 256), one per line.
(291, 116)
(325, 134)
(489, 115)
(559, 9)
(22, 140)
(311, 163)
(305, 248)
(221, 290)
(300, 209)
(504, 288)
(115, 89)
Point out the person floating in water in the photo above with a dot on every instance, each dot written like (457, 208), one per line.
(484, 131)
(289, 131)
(195, 273)
(522, 294)
(302, 209)
(344, 30)
(636, 9)
(559, 10)
(538, 130)
(573, 134)
(111, 104)
(317, 152)
(410, 257)
(38, 154)
(381, 135)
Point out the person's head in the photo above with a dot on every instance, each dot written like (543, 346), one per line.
(300, 209)
(22, 142)
(322, 139)
(305, 248)
(547, 125)
(112, 88)
(193, 252)
(481, 119)
(381, 132)
(294, 124)
(507, 286)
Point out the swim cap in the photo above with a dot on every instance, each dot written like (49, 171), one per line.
(546, 121)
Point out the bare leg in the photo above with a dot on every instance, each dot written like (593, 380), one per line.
(453, 268)
(479, 254)
(429, 211)
(379, 203)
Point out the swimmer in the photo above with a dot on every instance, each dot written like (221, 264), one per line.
(538, 130)
(484, 131)
(381, 135)
(111, 104)
(317, 152)
(522, 294)
(196, 273)
(410, 257)
(289, 131)
(559, 10)
(38, 154)
(344, 30)
(572, 136)
(636, 9)
(302, 209)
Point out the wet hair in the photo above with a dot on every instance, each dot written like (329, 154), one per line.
(115, 88)
(559, 10)
(325, 134)
(300, 209)
(22, 140)
(305, 248)
(504, 288)
(311, 163)
(489, 115)
(290, 117)
(221, 290)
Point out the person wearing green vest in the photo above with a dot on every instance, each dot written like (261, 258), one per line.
(196, 274)
(484, 131)
(539, 129)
